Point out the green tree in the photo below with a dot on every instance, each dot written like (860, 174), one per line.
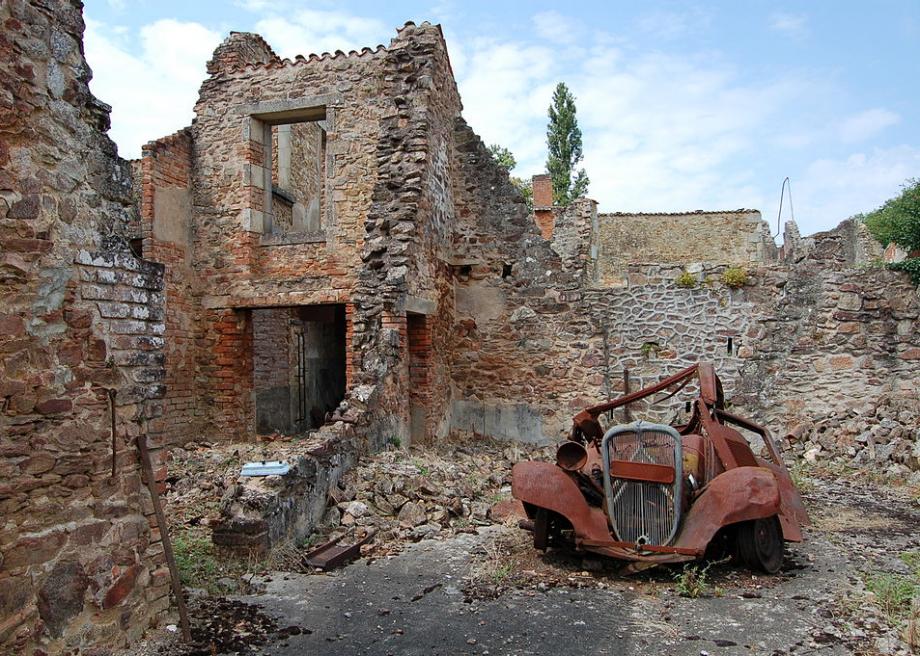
(898, 221)
(503, 157)
(563, 138)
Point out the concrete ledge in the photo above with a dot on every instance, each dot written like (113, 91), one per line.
(259, 512)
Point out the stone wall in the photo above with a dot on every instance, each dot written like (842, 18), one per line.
(740, 237)
(81, 316)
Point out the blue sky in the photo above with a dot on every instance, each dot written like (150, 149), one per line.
(683, 105)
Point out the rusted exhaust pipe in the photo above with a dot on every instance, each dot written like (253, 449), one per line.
(571, 456)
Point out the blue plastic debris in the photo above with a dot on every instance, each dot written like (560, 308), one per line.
(265, 468)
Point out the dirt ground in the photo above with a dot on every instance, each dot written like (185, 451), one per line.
(447, 577)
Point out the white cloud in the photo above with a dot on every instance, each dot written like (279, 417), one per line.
(867, 124)
(256, 5)
(506, 88)
(554, 27)
(663, 24)
(315, 31)
(833, 189)
(152, 85)
(793, 25)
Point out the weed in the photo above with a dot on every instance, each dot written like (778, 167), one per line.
(422, 469)
(501, 572)
(692, 581)
(912, 560)
(686, 280)
(195, 560)
(799, 474)
(394, 441)
(734, 277)
(650, 349)
(893, 593)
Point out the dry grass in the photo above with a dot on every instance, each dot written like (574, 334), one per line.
(843, 519)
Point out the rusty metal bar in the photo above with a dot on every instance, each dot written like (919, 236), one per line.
(164, 536)
(627, 415)
(112, 392)
(332, 554)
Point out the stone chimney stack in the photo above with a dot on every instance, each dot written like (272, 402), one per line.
(543, 213)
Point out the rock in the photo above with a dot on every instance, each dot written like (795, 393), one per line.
(411, 514)
(333, 517)
(61, 596)
(425, 531)
(811, 455)
(353, 508)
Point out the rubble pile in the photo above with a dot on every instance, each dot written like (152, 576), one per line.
(886, 438)
(403, 494)
(425, 492)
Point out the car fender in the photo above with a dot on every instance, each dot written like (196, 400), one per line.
(737, 495)
(545, 485)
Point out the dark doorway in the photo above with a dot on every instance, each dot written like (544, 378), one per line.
(298, 366)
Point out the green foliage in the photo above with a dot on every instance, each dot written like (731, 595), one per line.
(526, 189)
(893, 593)
(898, 220)
(195, 560)
(503, 157)
(686, 280)
(910, 266)
(649, 349)
(734, 277)
(563, 138)
(692, 581)
(912, 560)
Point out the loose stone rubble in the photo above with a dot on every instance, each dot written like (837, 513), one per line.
(884, 438)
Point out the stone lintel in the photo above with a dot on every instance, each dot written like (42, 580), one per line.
(417, 305)
(280, 299)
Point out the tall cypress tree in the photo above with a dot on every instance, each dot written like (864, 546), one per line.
(563, 137)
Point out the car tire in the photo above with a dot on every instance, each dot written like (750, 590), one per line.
(760, 544)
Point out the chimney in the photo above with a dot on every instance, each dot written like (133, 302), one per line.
(542, 191)
(543, 213)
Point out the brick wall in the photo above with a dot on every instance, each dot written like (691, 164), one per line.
(80, 566)
(272, 348)
(165, 213)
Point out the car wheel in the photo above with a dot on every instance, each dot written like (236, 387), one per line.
(760, 544)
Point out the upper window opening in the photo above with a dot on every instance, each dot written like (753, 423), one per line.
(298, 167)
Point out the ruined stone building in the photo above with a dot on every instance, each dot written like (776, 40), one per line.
(329, 247)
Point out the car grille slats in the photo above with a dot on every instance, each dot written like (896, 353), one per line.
(643, 512)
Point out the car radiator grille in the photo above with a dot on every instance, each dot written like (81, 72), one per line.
(643, 512)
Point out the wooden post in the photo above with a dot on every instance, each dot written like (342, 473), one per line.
(164, 536)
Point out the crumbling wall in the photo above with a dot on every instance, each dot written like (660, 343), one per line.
(258, 514)
(520, 357)
(829, 336)
(165, 211)
(243, 267)
(740, 237)
(81, 316)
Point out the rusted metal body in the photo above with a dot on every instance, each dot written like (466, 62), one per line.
(332, 554)
(652, 493)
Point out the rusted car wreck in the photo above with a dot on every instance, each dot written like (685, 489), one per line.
(654, 493)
